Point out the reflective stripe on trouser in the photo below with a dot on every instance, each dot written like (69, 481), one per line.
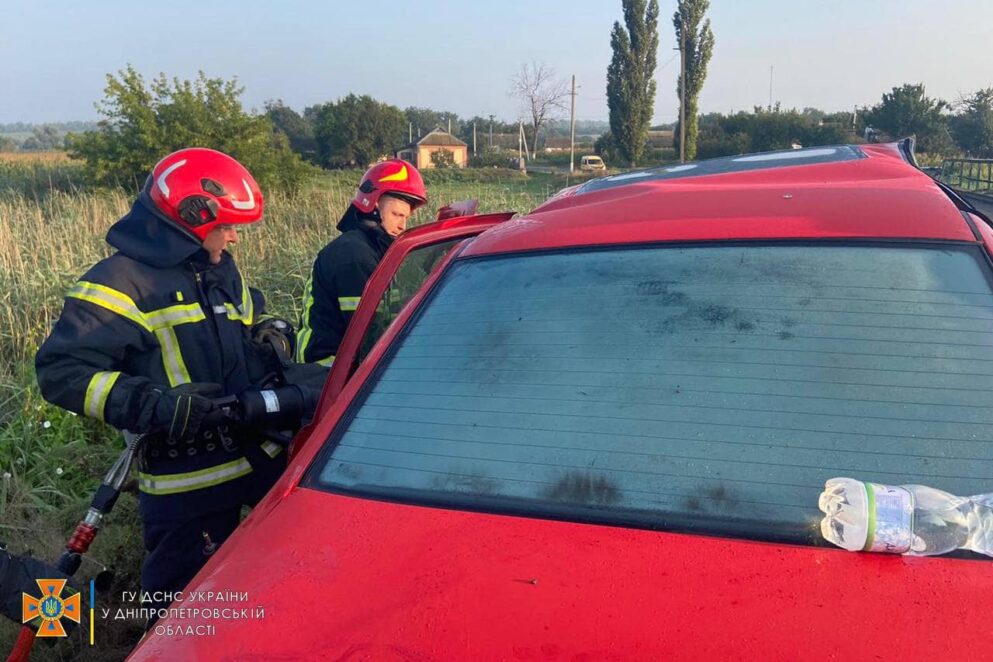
(271, 449)
(197, 480)
(348, 304)
(193, 480)
(97, 393)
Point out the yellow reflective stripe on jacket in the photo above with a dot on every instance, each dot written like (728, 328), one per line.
(303, 338)
(247, 307)
(97, 393)
(326, 362)
(172, 357)
(194, 480)
(244, 313)
(232, 312)
(271, 449)
(110, 299)
(120, 303)
(348, 303)
(163, 322)
(160, 322)
(175, 315)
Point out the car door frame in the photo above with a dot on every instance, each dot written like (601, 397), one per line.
(463, 227)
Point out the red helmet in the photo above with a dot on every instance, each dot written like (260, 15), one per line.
(393, 177)
(200, 188)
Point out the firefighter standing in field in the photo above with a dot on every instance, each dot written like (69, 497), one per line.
(149, 336)
(387, 195)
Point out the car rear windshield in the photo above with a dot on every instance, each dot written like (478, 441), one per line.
(709, 388)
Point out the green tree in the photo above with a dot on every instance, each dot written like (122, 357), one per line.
(766, 130)
(7, 144)
(45, 138)
(973, 126)
(355, 131)
(299, 130)
(631, 77)
(698, 46)
(907, 110)
(142, 123)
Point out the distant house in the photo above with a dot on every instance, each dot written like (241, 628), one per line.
(419, 153)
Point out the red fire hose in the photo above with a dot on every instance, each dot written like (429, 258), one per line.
(84, 533)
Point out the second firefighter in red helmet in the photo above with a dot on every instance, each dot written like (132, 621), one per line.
(387, 195)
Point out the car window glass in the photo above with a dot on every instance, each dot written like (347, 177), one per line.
(413, 271)
(702, 388)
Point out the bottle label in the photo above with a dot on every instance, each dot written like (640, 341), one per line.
(891, 511)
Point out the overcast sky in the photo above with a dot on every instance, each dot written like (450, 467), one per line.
(460, 56)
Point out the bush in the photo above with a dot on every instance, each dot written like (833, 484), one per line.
(442, 158)
(143, 124)
(491, 158)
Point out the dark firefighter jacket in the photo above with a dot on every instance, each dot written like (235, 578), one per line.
(19, 574)
(154, 315)
(336, 283)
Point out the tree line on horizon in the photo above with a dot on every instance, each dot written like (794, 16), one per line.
(141, 121)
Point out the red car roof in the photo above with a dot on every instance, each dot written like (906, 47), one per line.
(875, 195)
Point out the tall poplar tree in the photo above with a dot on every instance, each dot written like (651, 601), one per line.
(631, 76)
(698, 47)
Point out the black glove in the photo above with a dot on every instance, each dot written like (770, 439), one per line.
(277, 332)
(18, 575)
(182, 410)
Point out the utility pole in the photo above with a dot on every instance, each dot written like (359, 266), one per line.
(572, 129)
(491, 131)
(449, 124)
(474, 139)
(770, 88)
(410, 132)
(682, 93)
(527, 152)
(520, 141)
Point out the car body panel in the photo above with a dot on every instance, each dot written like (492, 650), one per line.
(375, 580)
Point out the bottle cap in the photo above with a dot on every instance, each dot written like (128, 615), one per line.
(890, 511)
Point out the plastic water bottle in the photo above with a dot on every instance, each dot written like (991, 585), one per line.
(905, 519)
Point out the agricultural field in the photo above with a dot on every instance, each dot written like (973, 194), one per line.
(52, 229)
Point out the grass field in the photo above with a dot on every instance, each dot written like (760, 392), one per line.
(51, 230)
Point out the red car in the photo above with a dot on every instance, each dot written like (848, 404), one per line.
(599, 431)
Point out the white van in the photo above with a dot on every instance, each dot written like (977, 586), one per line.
(592, 163)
